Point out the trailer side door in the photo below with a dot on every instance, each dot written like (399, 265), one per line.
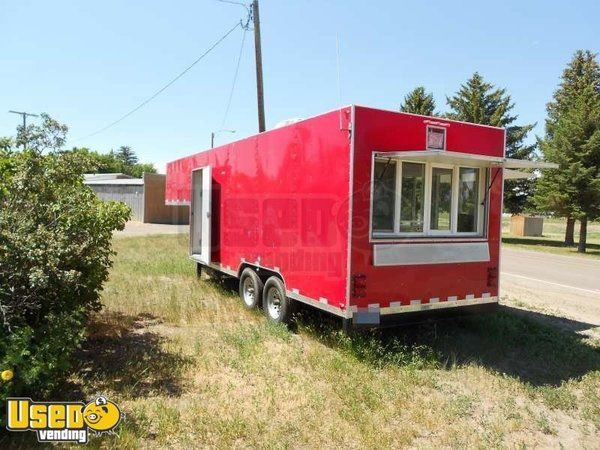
(200, 233)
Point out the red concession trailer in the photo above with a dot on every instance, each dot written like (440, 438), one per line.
(371, 215)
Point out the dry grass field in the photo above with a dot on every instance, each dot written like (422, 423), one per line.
(192, 369)
(553, 238)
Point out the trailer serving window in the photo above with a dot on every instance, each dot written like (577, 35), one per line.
(420, 199)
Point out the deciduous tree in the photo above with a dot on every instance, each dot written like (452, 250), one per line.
(50, 135)
(110, 163)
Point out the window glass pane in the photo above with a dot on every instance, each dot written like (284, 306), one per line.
(441, 198)
(384, 194)
(468, 200)
(413, 194)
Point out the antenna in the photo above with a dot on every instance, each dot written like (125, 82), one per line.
(339, 88)
(337, 49)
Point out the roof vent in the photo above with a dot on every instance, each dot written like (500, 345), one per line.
(286, 122)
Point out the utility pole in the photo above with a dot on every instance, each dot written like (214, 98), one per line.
(25, 115)
(259, 72)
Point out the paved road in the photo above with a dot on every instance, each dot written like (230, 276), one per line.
(565, 286)
(572, 272)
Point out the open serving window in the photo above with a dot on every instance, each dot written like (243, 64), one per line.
(433, 193)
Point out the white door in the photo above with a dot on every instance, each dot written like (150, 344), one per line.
(201, 204)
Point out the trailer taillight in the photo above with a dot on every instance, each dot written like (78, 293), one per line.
(359, 285)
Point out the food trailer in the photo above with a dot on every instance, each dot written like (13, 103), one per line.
(374, 216)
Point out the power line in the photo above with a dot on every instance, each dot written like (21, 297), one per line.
(166, 86)
(235, 3)
(235, 76)
(253, 15)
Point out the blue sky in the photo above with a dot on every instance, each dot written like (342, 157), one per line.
(88, 63)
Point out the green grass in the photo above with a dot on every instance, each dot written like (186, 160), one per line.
(192, 368)
(553, 237)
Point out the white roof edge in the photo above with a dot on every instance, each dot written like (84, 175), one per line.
(119, 181)
(106, 176)
(511, 163)
(512, 174)
(494, 161)
(430, 154)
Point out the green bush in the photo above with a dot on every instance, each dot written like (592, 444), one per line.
(55, 254)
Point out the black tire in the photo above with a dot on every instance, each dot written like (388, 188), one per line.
(199, 270)
(277, 306)
(251, 288)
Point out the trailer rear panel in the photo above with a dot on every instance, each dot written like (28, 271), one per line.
(418, 271)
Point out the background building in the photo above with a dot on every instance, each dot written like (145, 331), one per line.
(145, 196)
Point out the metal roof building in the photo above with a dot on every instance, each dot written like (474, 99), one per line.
(145, 196)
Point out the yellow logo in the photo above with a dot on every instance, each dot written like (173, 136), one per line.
(101, 415)
(62, 421)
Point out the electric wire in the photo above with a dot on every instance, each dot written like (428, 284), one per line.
(166, 86)
(235, 3)
(235, 77)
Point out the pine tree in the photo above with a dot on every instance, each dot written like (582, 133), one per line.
(582, 71)
(480, 102)
(573, 142)
(418, 101)
(126, 155)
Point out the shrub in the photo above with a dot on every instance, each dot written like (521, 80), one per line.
(55, 253)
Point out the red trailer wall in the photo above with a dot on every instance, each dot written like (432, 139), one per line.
(281, 198)
(381, 131)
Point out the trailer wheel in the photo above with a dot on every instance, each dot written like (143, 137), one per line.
(277, 306)
(251, 288)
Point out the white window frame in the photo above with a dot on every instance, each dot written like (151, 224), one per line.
(482, 202)
(427, 231)
(396, 224)
(454, 197)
